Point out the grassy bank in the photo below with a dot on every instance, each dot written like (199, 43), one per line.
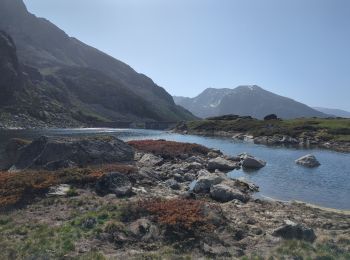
(336, 129)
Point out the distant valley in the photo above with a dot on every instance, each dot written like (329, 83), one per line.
(333, 112)
(245, 101)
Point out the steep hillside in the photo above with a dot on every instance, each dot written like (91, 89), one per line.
(97, 86)
(245, 101)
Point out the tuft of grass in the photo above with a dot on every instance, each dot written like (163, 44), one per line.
(305, 250)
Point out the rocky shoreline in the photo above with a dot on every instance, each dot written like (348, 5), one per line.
(274, 140)
(167, 200)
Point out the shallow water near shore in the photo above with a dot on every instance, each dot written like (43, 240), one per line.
(327, 185)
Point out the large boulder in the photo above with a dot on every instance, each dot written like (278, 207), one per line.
(206, 180)
(291, 230)
(53, 153)
(221, 164)
(224, 193)
(250, 162)
(114, 183)
(308, 160)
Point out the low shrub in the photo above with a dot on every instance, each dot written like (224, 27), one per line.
(22, 187)
(168, 149)
(178, 216)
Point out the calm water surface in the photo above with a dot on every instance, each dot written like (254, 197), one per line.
(327, 185)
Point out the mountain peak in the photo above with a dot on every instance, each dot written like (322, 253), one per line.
(249, 87)
(246, 100)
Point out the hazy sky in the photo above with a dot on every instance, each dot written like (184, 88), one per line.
(295, 48)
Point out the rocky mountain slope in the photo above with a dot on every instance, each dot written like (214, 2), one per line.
(66, 77)
(245, 101)
(333, 112)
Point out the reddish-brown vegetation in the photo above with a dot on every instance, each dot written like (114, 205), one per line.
(180, 214)
(21, 187)
(176, 215)
(168, 149)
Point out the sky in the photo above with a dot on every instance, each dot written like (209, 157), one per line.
(295, 48)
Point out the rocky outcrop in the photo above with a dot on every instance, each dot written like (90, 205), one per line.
(277, 140)
(114, 183)
(308, 160)
(11, 76)
(51, 153)
(292, 230)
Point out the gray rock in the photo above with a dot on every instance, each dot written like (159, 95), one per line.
(150, 159)
(221, 164)
(250, 162)
(114, 182)
(224, 193)
(204, 183)
(308, 160)
(189, 176)
(54, 153)
(59, 190)
(144, 229)
(178, 177)
(89, 223)
(292, 230)
(171, 183)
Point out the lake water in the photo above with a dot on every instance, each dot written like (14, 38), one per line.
(327, 185)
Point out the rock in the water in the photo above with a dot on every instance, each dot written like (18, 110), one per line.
(250, 162)
(54, 153)
(221, 164)
(292, 230)
(151, 160)
(308, 160)
(224, 193)
(115, 183)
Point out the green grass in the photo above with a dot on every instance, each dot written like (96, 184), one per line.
(304, 250)
(34, 240)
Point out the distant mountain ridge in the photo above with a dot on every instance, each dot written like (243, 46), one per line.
(248, 100)
(333, 112)
(67, 76)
